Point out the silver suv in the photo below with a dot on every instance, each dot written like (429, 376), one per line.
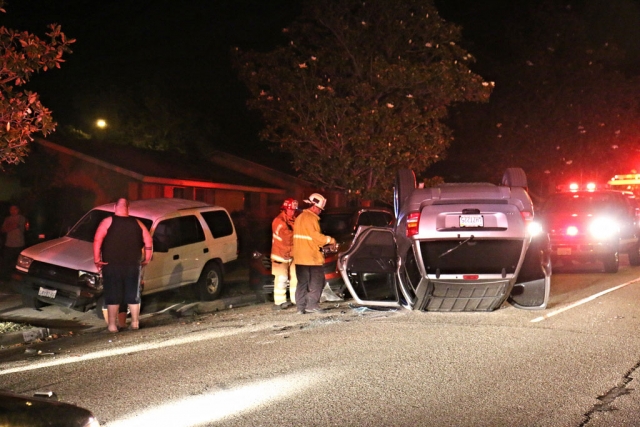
(454, 247)
(192, 243)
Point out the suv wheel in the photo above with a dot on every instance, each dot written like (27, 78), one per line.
(32, 302)
(611, 263)
(210, 282)
(634, 254)
(404, 185)
(99, 305)
(514, 177)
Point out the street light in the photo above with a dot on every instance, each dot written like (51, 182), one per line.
(101, 123)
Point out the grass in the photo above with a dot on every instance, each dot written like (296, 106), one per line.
(6, 327)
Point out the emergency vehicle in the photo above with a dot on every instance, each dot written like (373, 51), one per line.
(626, 182)
(592, 223)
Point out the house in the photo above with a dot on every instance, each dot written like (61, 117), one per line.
(90, 173)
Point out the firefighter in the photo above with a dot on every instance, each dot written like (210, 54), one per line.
(308, 241)
(282, 265)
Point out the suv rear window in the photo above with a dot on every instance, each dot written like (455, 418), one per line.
(219, 223)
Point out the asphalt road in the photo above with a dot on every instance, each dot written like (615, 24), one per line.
(573, 364)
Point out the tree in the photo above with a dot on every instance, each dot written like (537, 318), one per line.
(360, 90)
(21, 112)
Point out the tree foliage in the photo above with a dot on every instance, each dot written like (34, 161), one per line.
(360, 90)
(21, 112)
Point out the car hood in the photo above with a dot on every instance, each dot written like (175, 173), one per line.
(66, 251)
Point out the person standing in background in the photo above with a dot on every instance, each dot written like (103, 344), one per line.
(307, 243)
(13, 227)
(282, 264)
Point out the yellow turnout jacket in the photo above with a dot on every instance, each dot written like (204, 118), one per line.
(307, 239)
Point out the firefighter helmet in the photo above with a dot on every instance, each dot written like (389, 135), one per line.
(290, 204)
(317, 200)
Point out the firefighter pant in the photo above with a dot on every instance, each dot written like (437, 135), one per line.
(310, 285)
(283, 272)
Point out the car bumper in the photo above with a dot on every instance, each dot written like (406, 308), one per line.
(69, 296)
(582, 250)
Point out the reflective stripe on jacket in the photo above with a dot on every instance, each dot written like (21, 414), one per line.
(282, 238)
(307, 239)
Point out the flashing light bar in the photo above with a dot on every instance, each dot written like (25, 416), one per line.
(574, 186)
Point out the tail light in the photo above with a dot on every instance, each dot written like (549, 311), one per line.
(532, 227)
(527, 216)
(413, 220)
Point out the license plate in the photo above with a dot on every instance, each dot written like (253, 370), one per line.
(564, 251)
(49, 293)
(471, 221)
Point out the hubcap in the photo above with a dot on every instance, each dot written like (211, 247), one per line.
(212, 282)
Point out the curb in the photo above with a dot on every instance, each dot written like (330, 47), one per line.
(30, 335)
(23, 337)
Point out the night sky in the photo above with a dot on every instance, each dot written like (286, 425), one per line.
(184, 47)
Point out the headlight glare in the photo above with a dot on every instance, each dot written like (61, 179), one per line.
(534, 228)
(604, 228)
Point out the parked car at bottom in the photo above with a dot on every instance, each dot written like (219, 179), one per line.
(594, 225)
(42, 410)
(339, 223)
(193, 243)
(454, 247)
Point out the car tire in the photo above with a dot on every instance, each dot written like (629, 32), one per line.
(514, 177)
(32, 302)
(210, 282)
(99, 305)
(611, 263)
(404, 185)
(634, 255)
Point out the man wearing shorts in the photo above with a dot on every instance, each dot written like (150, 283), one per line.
(117, 247)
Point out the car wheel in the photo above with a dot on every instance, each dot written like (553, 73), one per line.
(210, 282)
(99, 305)
(32, 302)
(404, 185)
(611, 263)
(634, 255)
(514, 177)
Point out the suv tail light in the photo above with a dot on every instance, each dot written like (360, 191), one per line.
(532, 227)
(413, 220)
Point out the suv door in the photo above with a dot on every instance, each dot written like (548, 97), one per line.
(533, 285)
(179, 245)
(369, 268)
(371, 265)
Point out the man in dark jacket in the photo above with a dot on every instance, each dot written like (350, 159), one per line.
(117, 247)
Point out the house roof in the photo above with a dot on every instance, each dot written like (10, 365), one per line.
(162, 167)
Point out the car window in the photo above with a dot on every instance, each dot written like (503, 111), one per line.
(335, 224)
(175, 232)
(219, 223)
(85, 229)
(376, 219)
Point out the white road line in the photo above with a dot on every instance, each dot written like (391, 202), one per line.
(583, 301)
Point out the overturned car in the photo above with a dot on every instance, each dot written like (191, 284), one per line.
(454, 247)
